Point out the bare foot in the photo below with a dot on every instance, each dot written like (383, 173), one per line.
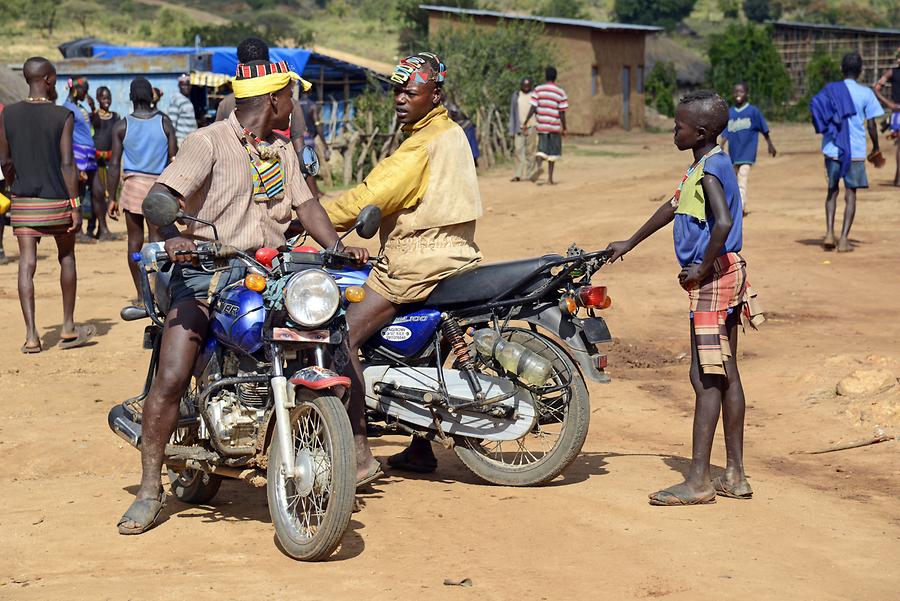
(828, 242)
(844, 246)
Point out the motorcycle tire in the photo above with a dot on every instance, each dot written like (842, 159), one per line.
(325, 491)
(194, 487)
(577, 415)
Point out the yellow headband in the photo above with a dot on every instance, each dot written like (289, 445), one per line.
(257, 86)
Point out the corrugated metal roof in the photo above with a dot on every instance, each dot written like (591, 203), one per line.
(549, 20)
(844, 28)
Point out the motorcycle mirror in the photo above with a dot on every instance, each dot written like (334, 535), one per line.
(368, 221)
(161, 208)
(310, 161)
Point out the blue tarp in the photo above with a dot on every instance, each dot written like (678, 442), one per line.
(224, 58)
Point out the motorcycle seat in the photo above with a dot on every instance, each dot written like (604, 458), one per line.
(484, 283)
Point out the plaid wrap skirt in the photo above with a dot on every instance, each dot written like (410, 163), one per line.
(40, 216)
(711, 302)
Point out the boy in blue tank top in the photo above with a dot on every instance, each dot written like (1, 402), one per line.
(143, 143)
(707, 215)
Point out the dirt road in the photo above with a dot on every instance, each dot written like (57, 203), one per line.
(820, 526)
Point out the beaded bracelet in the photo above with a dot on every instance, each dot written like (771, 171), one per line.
(75, 202)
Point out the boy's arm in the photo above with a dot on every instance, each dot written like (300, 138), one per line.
(873, 133)
(660, 219)
(772, 150)
(693, 274)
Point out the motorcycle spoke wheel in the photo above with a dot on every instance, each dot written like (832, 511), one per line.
(562, 408)
(306, 505)
(311, 510)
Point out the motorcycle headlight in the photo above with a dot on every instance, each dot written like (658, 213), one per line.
(311, 297)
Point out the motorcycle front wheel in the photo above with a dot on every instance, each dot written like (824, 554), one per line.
(311, 511)
(564, 414)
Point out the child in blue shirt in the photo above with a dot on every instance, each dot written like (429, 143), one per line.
(745, 123)
(707, 215)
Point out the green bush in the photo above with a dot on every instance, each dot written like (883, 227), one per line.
(665, 13)
(746, 53)
(485, 67)
(270, 25)
(568, 9)
(660, 88)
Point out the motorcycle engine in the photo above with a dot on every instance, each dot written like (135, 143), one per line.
(234, 425)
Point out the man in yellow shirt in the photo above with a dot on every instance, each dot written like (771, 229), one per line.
(428, 194)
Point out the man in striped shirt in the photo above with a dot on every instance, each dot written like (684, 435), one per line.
(181, 109)
(549, 104)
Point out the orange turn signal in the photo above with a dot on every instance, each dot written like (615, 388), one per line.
(568, 304)
(354, 294)
(255, 282)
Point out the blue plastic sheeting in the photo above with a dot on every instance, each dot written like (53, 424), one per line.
(224, 58)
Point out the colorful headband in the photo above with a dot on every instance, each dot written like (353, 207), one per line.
(256, 80)
(419, 70)
(71, 83)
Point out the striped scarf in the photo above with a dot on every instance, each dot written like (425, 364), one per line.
(711, 302)
(268, 178)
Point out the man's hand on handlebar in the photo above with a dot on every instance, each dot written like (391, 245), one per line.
(357, 252)
(180, 249)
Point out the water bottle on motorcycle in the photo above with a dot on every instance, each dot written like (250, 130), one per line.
(515, 358)
(147, 256)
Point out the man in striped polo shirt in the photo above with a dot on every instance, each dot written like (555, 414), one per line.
(549, 104)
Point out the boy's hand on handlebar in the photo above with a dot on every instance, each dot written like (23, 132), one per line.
(357, 252)
(618, 249)
(186, 246)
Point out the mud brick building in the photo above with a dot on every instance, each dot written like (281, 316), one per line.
(601, 65)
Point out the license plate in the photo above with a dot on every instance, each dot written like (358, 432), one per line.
(291, 335)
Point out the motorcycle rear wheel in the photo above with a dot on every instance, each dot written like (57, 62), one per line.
(311, 512)
(569, 413)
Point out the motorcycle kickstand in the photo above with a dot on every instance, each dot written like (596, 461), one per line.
(445, 440)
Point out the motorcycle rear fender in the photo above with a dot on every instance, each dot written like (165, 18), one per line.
(551, 318)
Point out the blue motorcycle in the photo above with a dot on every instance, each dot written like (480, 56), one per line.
(264, 405)
(493, 363)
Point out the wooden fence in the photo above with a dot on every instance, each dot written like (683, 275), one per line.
(361, 148)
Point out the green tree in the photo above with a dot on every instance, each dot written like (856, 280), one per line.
(274, 25)
(731, 9)
(761, 10)
(484, 68)
(82, 12)
(665, 13)
(42, 14)
(414, 21)
(569, 9)
(746, 53)
(660, 88)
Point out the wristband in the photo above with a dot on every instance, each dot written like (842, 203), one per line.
(75, 202)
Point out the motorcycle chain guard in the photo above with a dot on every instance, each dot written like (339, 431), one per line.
(470, 424)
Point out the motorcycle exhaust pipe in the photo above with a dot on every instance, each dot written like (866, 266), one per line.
(121, 423)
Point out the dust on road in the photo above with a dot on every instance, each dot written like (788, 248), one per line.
(820, 526)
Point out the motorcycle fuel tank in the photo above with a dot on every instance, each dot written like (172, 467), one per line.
(408, 334)
(238, 319)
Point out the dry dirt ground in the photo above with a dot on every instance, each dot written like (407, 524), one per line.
(820, 526)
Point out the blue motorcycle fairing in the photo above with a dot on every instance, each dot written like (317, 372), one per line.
(408, 333)
(350, 277)
(238, 317)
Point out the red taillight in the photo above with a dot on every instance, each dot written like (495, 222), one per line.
(265, 256)
(601, 361)
(594, 297)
